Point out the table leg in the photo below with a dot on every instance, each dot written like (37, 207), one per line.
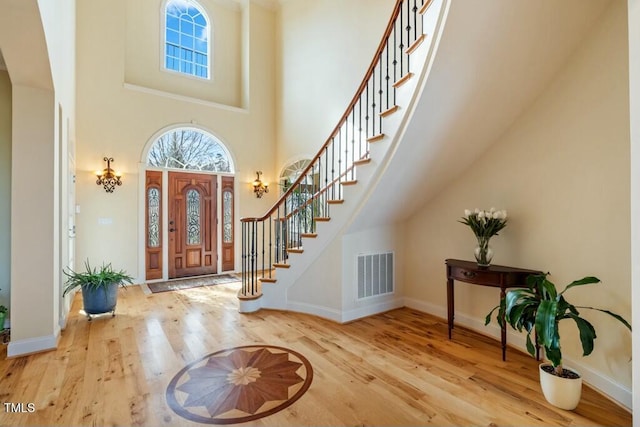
(450, 305)
(503, 326)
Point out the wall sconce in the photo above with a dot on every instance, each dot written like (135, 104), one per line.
(108, 178)
(260, 187)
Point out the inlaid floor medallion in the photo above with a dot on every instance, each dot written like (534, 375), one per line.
(239, 384)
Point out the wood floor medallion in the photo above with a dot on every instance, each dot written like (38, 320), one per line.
(239, 384)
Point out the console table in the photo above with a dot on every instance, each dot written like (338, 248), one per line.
(496, 276)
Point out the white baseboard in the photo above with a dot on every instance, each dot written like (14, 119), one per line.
(605, 385)
(316, 310)
(370, 310)
(32, 345)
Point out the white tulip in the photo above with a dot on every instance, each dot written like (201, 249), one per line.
(481, 215)
(497, 215)
(492, 210)
(477, 211)
(504, 214)
(467, 212)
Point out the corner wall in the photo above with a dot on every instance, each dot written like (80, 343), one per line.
(562, 172)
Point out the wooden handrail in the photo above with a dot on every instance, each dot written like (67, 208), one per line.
(352, 104)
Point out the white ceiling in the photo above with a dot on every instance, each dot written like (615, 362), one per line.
(495, 57)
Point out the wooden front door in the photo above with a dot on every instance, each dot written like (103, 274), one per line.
(192, 224)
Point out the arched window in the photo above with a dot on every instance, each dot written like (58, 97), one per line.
(291, 172)
(189, 148)
(187, 34)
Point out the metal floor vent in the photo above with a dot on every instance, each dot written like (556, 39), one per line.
(375, 274)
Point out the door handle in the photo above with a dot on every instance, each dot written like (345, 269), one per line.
(172, 230)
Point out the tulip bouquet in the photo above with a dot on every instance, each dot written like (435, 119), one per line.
(484, 225)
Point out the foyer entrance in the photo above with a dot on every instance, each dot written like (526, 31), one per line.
(189, 206)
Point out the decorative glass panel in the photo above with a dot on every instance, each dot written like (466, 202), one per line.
(153, 207)
(227, 225)
(189, 148)
(193, 217)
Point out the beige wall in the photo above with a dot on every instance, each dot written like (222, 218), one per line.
(5, 188)
(562, 171)
(316, 81)
(144, 47)
(118, 121)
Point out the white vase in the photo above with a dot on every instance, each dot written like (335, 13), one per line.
(563, 393)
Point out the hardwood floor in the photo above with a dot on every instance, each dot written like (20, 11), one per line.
(396, 368)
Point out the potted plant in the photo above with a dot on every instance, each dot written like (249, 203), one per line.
(99, 287)
(539, 309)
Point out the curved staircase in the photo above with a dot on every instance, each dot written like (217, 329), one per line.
(305, 225)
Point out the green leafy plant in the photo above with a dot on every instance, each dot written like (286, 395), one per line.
(93, 278)
(3, 309)
(540, 308)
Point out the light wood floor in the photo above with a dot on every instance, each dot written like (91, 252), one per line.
(397, 368)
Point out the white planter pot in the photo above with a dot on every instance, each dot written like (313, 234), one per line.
(563, 393)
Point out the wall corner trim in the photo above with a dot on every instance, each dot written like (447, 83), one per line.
(32, 345)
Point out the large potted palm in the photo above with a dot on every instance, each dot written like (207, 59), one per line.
(539, 309)
(99, 287)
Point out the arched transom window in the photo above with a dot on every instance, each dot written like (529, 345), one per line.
(189, 148)
(291, 172)
(187, 34)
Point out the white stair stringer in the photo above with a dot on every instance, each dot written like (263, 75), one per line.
(315, 281)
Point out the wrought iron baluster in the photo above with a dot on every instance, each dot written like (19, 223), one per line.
(373, 103)
(380, 92)
(353, 139)
(401, 46)
(387, 74)
(270, 263)
(408, 34)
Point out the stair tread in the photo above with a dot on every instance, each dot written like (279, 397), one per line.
(309, 235)
(425, 7)
(362, 161)
(402, 80)
(415, 44)
(389, 111)
(353, 182)
(268, 279)
(278, 265)
(336, 202)
(375, 138)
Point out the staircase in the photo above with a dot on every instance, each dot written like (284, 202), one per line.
(315, 210)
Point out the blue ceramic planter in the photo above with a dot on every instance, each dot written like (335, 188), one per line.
(101, 300)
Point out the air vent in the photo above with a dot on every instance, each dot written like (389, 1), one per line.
(375, 274)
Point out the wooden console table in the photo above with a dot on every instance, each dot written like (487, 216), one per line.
(496, 276)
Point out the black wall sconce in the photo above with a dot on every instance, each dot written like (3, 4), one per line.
(108, 178)
(259, 187)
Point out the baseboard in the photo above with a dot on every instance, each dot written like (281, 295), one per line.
(32, 345)
(316, 310)
(603, 384)
(370, 310)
